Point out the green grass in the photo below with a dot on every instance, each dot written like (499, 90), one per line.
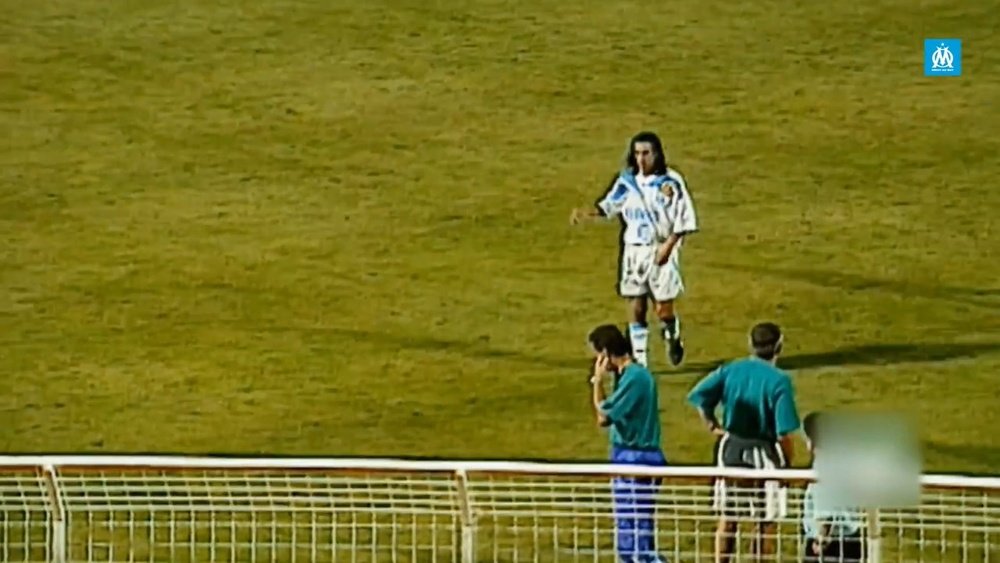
(296, 227)
(338, 228)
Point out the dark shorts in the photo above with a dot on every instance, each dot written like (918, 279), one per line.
(849, 549)
(749, 499)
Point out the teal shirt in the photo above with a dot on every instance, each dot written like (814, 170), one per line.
(842, 522)
(757, 399)
(634, 410)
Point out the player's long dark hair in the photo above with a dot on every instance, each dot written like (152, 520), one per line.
(659, 161)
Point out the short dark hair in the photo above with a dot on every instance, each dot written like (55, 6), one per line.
(765, 338)
(609, 338)
(659, 161)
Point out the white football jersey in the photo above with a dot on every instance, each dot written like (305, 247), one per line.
(652, 207)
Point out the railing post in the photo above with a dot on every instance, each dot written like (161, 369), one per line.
(874, 537)
(466, 517)
(57, 516)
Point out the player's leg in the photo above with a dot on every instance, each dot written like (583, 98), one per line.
(635, 508)
(638, 328)
(763, 541)
(635, 265)
(725, 540)
(771, 495)
(766, 499)
(670, 329)
(625, 521)
(624, 491)
(723, 502)
(667, 286)
(645, 507)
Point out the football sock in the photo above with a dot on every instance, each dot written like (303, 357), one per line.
(671, 328)
(638, 334)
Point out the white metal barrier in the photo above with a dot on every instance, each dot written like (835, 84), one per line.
(85, 508)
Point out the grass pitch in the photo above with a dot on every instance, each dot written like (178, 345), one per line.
(340, 228)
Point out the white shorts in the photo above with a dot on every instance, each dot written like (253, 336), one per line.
(740, 499)
(639, 276)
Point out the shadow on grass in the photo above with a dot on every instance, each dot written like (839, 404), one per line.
(863, 355)
(888, 354)
(479, 349)
(979, 297)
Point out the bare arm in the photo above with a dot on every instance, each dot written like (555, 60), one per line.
(606, 207)
(685, 222)
(705, 396)
(598, 397)
(581, 214)
(597, 389)
(667, 248)
(787, 445)
(708, 417)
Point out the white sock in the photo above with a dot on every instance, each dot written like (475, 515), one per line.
(638, 334)
(671, 332)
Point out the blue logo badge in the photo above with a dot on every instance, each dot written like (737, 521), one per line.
(942, 57)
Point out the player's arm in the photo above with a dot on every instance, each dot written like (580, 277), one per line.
(706, 395)
(582, 214)
(606, 207)
(667, 248)
(685, 222)
(787, 446)
(786, 419)
(597, 396)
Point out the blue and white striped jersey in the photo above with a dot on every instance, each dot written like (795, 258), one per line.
(652, 207)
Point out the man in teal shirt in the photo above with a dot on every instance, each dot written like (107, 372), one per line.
(759, 419)
(632, 413)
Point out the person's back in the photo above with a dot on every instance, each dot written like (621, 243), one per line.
(757, 398)
(752, 395)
